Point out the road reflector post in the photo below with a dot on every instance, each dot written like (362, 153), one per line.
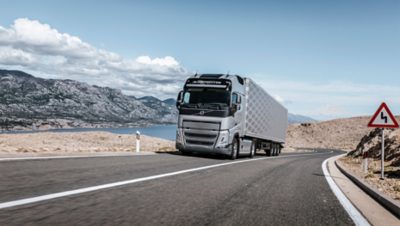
(365, 161)
(383, 118)
(137, 141)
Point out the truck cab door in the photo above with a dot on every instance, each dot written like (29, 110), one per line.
(237, 109)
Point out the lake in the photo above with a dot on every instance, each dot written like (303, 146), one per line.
(162, 131)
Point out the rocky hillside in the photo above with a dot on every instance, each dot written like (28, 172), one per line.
(371, 143)
(30, 102)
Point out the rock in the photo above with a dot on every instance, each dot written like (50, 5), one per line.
(371, 143)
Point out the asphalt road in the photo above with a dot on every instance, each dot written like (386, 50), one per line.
(286, 190)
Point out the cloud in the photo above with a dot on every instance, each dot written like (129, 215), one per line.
(42, 50)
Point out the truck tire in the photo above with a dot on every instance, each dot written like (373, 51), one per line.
(273, 150)
(252, 149)
(278, 148)
(235, 148)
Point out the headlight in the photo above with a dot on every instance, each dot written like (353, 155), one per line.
(223, 138)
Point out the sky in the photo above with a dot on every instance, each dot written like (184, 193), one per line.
(323, 59)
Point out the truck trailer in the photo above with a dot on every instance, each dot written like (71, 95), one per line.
(229, 115)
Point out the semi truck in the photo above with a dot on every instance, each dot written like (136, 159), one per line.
(229, 115)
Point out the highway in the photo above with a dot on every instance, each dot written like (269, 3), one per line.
(287, 190)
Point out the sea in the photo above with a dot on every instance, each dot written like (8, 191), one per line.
(167, 132)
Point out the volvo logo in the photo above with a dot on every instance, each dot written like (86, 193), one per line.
(201, 112)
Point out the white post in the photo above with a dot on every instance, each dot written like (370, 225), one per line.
(383, 156)
(365, 163)
(137, 141)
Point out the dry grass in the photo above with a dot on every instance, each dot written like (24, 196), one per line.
(389, 186)
(342, 134)
(78, 142)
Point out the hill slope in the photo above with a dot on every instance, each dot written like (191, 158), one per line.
(343, 134)
(27, 101)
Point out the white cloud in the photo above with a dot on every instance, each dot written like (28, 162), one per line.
(10, 56)
(166, 61)
(42, 50)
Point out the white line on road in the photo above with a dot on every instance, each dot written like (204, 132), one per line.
(120, 183)
(355, 215)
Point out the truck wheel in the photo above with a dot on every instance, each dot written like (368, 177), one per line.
(252, 149)
(273, 151)
(268, 152)
(235, 148)
(278, 150)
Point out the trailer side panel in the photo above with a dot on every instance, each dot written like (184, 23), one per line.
(265, 117)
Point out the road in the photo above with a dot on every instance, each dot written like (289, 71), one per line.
(286, 190)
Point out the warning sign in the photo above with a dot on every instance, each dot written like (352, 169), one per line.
(383, 118)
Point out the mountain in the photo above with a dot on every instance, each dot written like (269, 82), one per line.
(28, 101)
(170, 101)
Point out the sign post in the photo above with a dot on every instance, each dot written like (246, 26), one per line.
(383, 155)
(383, 118)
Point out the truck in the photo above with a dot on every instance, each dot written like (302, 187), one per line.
(229, 115)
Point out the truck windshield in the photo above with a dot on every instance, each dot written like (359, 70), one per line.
(204, 96)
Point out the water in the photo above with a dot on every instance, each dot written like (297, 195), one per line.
(162, 131)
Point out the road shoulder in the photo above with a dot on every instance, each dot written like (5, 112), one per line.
(369, 208)
(15, 157)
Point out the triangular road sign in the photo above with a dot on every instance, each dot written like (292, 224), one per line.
(383, 118)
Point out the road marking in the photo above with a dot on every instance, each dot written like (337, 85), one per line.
(74, 156)
(355, 215)
(121, 183)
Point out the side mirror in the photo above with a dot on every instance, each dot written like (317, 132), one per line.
(179, 99)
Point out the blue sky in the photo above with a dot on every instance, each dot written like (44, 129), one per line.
(324, 59)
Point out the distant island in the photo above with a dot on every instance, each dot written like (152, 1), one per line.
(32, 103)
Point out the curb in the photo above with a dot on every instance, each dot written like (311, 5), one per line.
(390, 204)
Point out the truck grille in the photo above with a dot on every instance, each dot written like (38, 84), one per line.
(201, 133)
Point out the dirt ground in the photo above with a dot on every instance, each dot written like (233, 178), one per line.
(390, 185)
(78, 142)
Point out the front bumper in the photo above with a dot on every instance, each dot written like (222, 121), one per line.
(224, 150)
